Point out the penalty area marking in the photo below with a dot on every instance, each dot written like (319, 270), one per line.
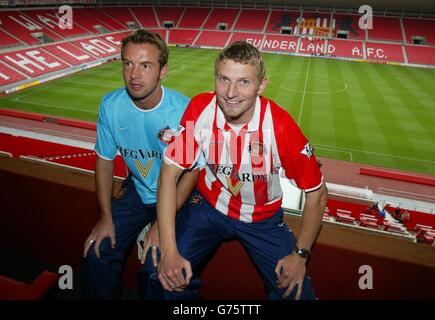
(335, 150)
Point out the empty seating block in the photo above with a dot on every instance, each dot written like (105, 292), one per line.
(11, 289)
(280, 20)
(251, 20)
(417, 28)
(24, 28)
(386, 29)
(169, 14)
(194, 17)
(100, 47)
(90, 23)
(420, 54)
(122, 15)
(254, 38)
(8, 41)
(384, 52)
(345, 48)
(145, 16)
(50, 20)
(221, 17)
(348, 23)
(179, 36)
(312, 46)
(33, 62)
(69, 53)
(315, 24)
(280, 43)
(99, 15)
(213, 38)
(8, 75)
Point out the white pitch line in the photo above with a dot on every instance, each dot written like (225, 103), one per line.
(376, 153)
(336, 150)
(55, 107)
(304, 92)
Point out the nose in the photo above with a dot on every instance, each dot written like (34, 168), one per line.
(232, 90)
(135, 73)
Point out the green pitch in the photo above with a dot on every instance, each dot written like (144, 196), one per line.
(382, 115)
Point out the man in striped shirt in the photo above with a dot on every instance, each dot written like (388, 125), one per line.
(247, 141)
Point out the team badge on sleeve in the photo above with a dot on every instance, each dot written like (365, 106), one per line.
(307, 150)
(166, 134)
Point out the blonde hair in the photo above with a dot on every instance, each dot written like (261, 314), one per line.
(245, 53)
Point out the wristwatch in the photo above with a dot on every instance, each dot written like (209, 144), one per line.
(303, 253)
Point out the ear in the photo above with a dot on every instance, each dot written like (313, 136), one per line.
(163, 71)
(262, 87)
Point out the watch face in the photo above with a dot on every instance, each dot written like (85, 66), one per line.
(303, 253)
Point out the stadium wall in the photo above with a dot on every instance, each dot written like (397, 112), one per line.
(33, 219)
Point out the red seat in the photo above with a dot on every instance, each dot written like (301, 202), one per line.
(11, 289)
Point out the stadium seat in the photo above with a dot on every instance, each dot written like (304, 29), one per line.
(11, 289)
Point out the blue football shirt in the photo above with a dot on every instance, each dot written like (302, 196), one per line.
(138, 135)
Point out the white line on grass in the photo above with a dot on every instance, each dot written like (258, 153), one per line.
(375, 153)
(55, 107)
(304, 92)
(336, 150)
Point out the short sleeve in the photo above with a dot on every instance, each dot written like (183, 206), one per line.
(105, 146)
(296, 154)
(183, 151)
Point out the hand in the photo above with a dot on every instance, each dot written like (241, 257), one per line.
(103, 229)
(290, 271)
(171, 273)
(151, 241)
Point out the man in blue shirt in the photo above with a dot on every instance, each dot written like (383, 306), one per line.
(137, 122)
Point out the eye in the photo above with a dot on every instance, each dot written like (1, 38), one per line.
(127, 63)
(245, 82)
(223, 80)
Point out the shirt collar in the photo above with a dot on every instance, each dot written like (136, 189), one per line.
(253, 124)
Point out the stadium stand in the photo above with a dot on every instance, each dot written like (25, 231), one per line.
(97, 13)
(315, 24)
(33, 62)
(69, 53)
(11, 289)
(50, 20)
(146, 17)
(8, 75)
(90, 23)
(307, 46)
(347, 24)
(421, 29)
(377, 51)
(213, 38)
(100, 47)
(182, 36)
(280, 20)
(253, 20)
(194, 17)
(7, 40)
(254, 38)
(220, 17)
(345, 48)
(169, 15)
(26, 29)
(386, 29)
(420, 54)
(280, 43)
(123, 15)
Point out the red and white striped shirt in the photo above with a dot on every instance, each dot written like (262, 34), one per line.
(241, 175)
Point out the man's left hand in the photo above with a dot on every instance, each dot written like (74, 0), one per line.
(290, 271)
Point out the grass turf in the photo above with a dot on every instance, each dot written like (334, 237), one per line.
(382, 115)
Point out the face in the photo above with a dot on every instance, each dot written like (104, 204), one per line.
(237, 87)
(142, 74)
